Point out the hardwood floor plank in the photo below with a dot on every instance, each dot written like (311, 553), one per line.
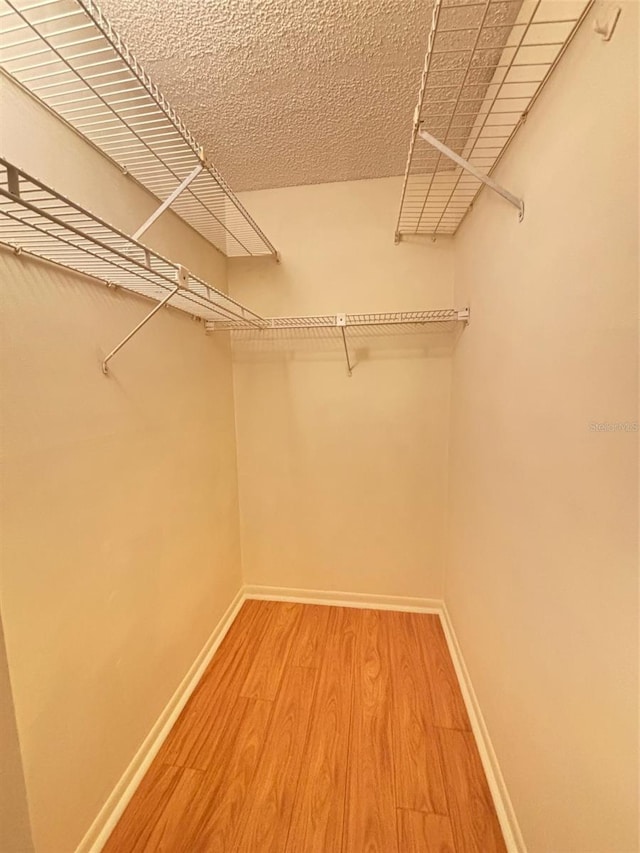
(370, 820)
(146, 808)
(473, 817)
(424, 833)
(266, 820)
(168, 834)
(418, 775)
(265, 671)
(194, 737)
(311, 636)
(448, 705)
(318, 812)
(340, 758)
(222, 799)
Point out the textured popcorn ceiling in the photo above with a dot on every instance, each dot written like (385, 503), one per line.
(286, 92)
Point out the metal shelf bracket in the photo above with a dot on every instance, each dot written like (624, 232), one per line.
(341, 322)
(168, 202)
(182, 276)
(469, 167)
(606, 28)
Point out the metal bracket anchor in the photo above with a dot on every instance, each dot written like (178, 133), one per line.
(341, 322)
(182, 276)
(167, 202)
(486, 179)
(606, 28)
(13, 181)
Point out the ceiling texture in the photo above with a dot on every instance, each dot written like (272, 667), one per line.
(286, 92)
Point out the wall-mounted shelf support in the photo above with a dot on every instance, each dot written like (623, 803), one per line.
(183, 280)
(13, 181)
(606, 28)
(341, 322)
(469, 167)
(168, 202)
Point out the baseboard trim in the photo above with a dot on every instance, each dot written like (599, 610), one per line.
(337, 598)
(499, 793)
(104, 824)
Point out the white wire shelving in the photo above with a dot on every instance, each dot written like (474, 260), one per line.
(37, 220)
(486, 64)
(440, 318)
(40, 221)
(343, 328)
(67, 54)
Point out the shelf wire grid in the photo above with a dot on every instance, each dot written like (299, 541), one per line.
(486, 63)
(37, 220)
(67, 54)
(441, 319)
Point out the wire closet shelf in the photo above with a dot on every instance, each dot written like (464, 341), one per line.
(37, 220)
(486, 63)
(441, 324)
(441, 319)
(67, 54)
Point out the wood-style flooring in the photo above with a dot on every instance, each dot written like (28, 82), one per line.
(318, 730)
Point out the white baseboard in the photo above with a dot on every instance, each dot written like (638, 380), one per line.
(115, 805)
(336, 598)
(504, 807)
(104, 824)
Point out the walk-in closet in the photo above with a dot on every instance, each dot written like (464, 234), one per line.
(319, 426)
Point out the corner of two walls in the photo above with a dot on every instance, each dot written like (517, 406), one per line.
(542, 577)
(342, 479)
(120, 539)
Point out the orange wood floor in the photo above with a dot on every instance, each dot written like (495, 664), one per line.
(318, 730)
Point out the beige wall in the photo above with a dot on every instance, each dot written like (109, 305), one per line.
(15, 828)
(342, 480)
(120, 540)
(542, 582)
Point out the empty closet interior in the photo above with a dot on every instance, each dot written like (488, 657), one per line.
(357, 420)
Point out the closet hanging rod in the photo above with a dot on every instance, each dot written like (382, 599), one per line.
(125, 116)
